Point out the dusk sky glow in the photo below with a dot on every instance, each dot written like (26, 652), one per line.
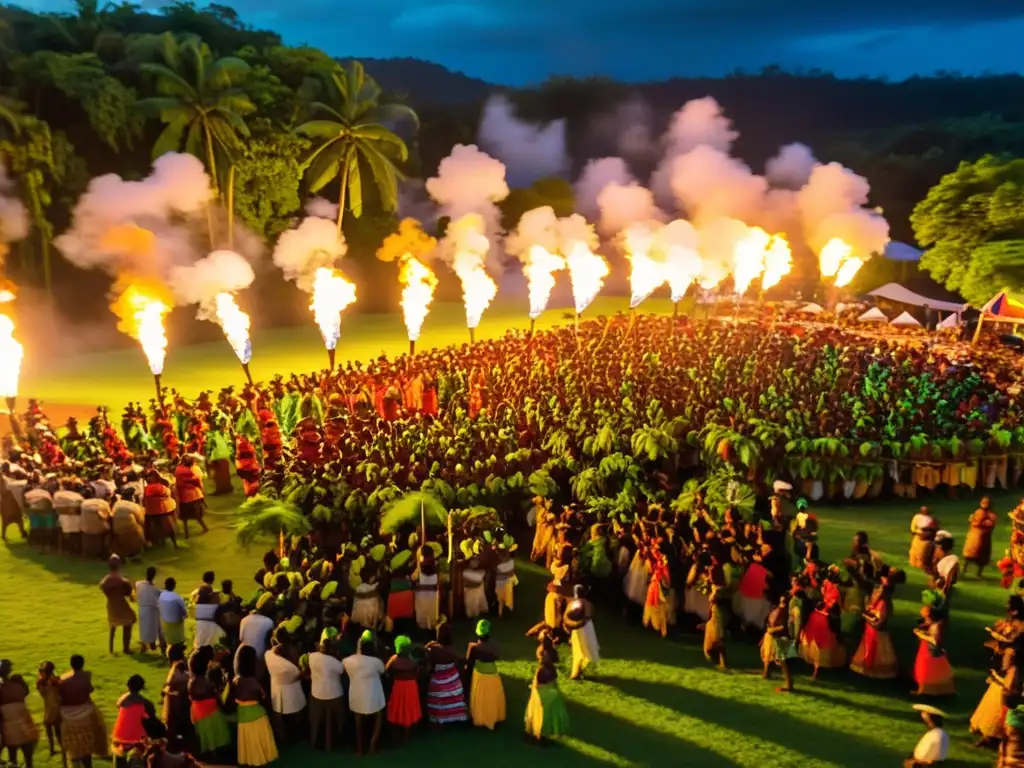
(529, 40)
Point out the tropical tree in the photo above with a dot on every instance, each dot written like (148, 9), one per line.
(972, 223)
(201, 101)
(356, 132)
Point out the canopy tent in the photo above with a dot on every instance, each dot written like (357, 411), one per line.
(1005, 306)
(903, 295)
(812, 309)
(873, 315)
(896, 251)
(951, 321)
(906, 320)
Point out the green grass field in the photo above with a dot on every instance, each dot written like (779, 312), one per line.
(655, 702)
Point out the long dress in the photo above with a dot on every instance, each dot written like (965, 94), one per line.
(750, 602)
(473, 594)
(426, 601)
(546, 714)
(635, 583)
(366, 606)
(932, 671)
(146, 595)
(875, 656)
(446, 698)
(989, 717)
(978, 544)
(16, 724)
(256, 745)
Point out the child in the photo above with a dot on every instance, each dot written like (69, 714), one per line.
(129, 734)
(47, 684)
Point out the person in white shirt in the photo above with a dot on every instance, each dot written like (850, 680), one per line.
(933, 748)
(922, 543)
(366, 690)
(208, 631)
(286, 695)
(173, 611)
(254, 630)
(327, 696)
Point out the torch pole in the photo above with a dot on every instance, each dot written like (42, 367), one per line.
(330, 358)
(13, 416)
(472, 335)
(412, 347)
(159, 389)
(533, 324)
(576, 322)
(248, 375)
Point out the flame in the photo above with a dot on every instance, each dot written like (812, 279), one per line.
(419, 283)
(128, 240)
(778, 262)
(712, 272)
(332, 292)
(8, 292)
(236, 326)
(748, 258)
(141, 307)
(682, 266)
(848, 271)
(645, 274)
(832, 256)
(11, 355)
(478, 289)
(587, 271)
(540, 269)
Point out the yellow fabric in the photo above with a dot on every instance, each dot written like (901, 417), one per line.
(551, 617)
(256, 744)
(885, 666)
(987, 719)
(506, 595)
(486, 700)
(969, 475)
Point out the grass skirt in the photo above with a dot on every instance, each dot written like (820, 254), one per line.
(635, 583)
(213, 731)
(584, 644)
(819, 647)
(697, 603)
(752, 610)
(366, 611)
(404, 704)
(82, 732)
(505, 591)
(776, 649)
(884, 665)
(921, 551)
(475, 601)
(988, 718)
(486, 699)
(17, 726)
(546, 714)
(933, 674)
(256, 745)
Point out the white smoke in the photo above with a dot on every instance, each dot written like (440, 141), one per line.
(539, 227)
(529, 151)
(14, 222)
(322, 208)
(607, 193)
(707, 183)
(471, 182)
(791, 168)
(300, 252)
(220, 272)
(168, 203)
(833, 204)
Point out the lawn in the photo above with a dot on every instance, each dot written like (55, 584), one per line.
(655, 702)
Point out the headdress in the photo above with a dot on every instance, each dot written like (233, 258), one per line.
(402, 644)
(483, 628)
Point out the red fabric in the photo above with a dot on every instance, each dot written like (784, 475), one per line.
(870, 646)
(189, 484)
(754, 581)
(202, 709)
(830, 594)
(404, 705)
(402, 605)
(128, 726)
(929, 669)
(156, 500)
(817, 631)
(430, 401)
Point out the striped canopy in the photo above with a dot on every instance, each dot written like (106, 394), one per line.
(1005, 306)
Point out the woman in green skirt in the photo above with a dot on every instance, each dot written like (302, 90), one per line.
(211, 724)
(546, 715)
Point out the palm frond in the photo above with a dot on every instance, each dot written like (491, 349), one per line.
(264, 517)
(408, 508)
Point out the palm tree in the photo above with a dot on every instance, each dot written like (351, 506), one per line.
(199, 99)
(356, 132)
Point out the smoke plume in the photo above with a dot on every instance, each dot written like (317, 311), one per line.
(300, 252)
(220, 272)
(529, 151)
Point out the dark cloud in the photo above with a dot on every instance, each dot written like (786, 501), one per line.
(528, 40)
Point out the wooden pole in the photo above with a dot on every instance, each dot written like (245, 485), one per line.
(977, 331)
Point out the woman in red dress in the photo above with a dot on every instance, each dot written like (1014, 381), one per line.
(820, 645)
(932, 671)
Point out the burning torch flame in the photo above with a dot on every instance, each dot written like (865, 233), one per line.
(420, 282)
(478, 289)
(236, 326)
(540, 269)
(7, 293)
(848, 271)
(832, 256)
(332, 292)
(141, 312)
(11, 354)
(748, 258)
(645, 274)
(682, 266)
(778, 261)
(587, 271)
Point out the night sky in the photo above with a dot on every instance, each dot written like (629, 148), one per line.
(523, 41)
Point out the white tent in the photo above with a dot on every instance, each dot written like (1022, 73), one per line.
(951, 321)
(906, 320)
(873, 315)
(812, 309)
(896, 292)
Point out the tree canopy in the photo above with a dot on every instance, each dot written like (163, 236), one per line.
(972, 224)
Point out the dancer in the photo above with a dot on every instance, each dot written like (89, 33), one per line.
(933, 748)
(546, 714)
(129, 736)
(446, 698)
(932, 671)
(714, 628)
(118, 591)
(17, 728)
(777, 647)
(256, 745)
(146, 595)
(579, 623)
(875, 656)
(820, 644)
(486, 693)
(48, 685)
(366, 690)
(82, 730)
(978, 545)
(922, 528)
(404, 705)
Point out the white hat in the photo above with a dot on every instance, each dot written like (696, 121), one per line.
(781, 485)
(930, 710)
